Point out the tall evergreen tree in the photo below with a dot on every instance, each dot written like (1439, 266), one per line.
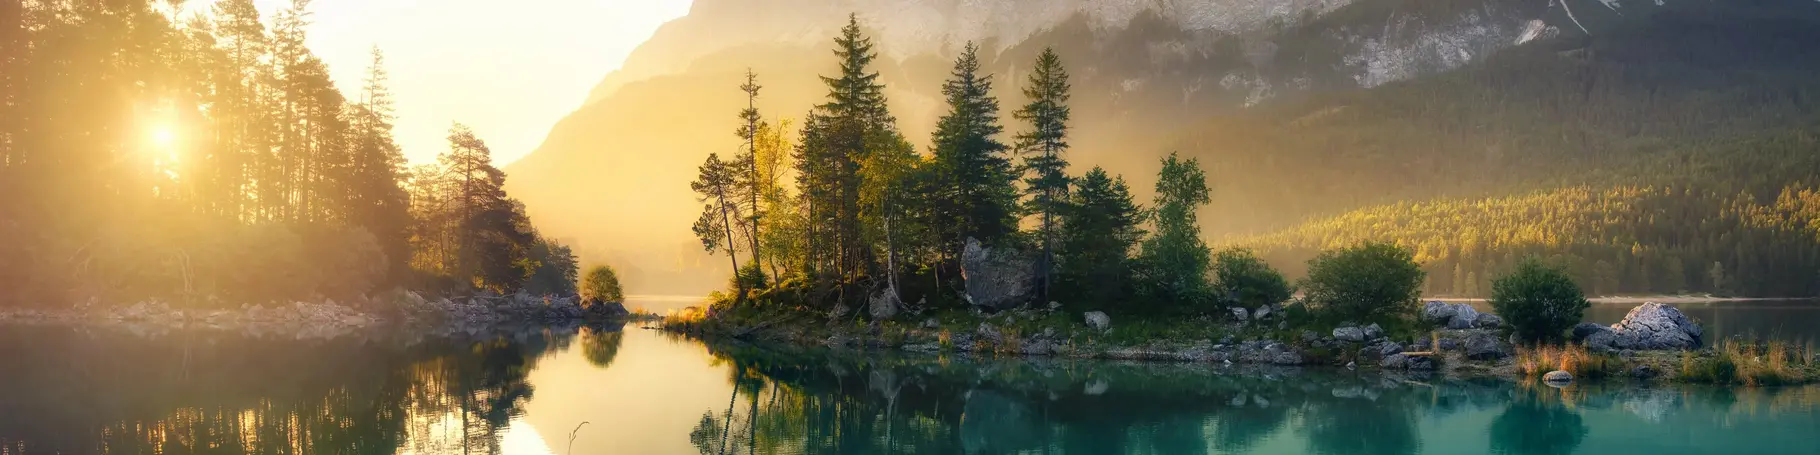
(1099, 227)
(375, 198)
(1045, 169)
(492, 231)
(982, 196)
(834, 141)
(751, 180)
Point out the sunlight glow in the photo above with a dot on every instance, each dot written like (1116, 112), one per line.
(163, 137)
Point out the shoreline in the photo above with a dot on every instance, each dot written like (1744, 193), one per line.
(1639, 300)
(1446, 354)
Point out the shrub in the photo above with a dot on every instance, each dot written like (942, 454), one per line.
(1372, 282)
(1243, 279)
(602, 284)
(1540, 302)
(751, 277)
(1574, 359)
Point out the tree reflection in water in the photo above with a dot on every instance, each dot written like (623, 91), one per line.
(231, 394)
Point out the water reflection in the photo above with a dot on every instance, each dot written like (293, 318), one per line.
(641, 392)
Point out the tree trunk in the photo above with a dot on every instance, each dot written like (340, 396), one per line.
(739, 286)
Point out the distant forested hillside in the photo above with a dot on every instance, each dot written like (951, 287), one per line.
(1719, 97)
(1625, 240)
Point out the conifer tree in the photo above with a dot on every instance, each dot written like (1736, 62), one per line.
(1045, 180)
(375, 198)
(751, 180)
(1099, 228)
(834, 141)
(720, 212)
(981, 195)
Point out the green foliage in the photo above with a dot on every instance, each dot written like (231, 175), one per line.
(557, 269)
(1174, 262)
(1370, 282)
(1044, 168)
(602, 284)
(1100, 226)
(1241, 278)
(1539, 301)
(750, 276)
(978, 197)
(1621, 240)
(835, 140)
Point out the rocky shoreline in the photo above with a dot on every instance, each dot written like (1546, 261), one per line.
(1649, 342)
(329, 319)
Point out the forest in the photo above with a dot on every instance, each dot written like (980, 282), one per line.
(206, 156)
(1681, 166)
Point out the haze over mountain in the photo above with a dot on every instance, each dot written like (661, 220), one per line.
(1228, 80)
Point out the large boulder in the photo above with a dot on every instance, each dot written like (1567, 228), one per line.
(604, 310)
(1097, 320)
(1487, 321)
(1349, 334)
(1586, 329)
(884, 305)
(1464, 317)
(1485, 346)
(1654, 326)
(997, 278)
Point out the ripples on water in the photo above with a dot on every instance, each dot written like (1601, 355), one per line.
(71, 391)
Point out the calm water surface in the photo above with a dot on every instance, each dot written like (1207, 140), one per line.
(633, 391)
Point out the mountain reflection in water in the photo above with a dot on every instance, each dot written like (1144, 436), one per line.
(639, 391)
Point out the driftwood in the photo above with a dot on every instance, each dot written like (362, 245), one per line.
(1420, 354)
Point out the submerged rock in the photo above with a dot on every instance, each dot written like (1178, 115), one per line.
(1558, 377)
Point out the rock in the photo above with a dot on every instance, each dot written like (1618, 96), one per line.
(987, 332)
(1351, 365)
(1349, 334)
(1285, 358)
(1464, 317)
(1421, 344)
(1097, 320)
(1587, 329)
(1558, 377)
(1261, 313)
(1421, 363)
(1373, 332)
(1654, 327)
(605, 310)
(997, 278)
(1040, 347)
(1389, 349)
(1308, 336)
(932, 324)
(1485, 346)
(1488, 321)
(1603, 341)
(1643, 372)
(1240, 314)
(1055, 306)
(1395, 361)
(884, 305)
(1437, 312)
(1447, 344)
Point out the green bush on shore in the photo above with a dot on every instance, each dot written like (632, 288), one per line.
(1371, 282)
(1539, 301)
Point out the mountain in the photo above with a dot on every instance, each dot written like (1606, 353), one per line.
(1228, 80)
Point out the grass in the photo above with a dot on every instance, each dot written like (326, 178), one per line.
(1752, 364)
(1533, 362)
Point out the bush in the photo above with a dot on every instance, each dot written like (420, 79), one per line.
(1540, 302)
(751, 277)
(602, 284)
(1242, 279)
(1372, 282)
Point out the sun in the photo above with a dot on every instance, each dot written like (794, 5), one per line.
(163, 136)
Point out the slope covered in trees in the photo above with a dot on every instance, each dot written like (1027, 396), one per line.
(201, 156)
(1623, 240)
(1720, 96)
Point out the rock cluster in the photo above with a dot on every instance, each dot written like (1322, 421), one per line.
(1459, 316)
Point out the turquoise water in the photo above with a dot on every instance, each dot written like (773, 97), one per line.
(79, 391)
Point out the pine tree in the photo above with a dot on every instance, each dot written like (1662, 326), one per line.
(1099, 228)
(751, 181)
(834, 141)
(375, 199)
(982, 196)
(720, 211)
(1046, 181)
(492, 232)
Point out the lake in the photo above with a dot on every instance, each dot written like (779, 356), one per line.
(634, 391)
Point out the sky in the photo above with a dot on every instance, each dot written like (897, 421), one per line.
(509, 70)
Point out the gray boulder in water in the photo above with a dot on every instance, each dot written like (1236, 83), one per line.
(997, 278)
(1653, 327)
